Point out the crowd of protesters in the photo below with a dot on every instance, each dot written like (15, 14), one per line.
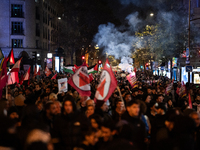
(34, 117)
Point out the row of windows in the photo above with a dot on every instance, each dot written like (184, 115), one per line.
(18, 43)
(17, 29)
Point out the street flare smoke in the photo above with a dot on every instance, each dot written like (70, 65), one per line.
(122, 41)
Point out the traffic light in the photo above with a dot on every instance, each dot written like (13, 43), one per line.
(83, 57)
(34, 57)
(99, 62)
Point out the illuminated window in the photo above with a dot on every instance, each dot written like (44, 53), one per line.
(17, 43)
(17, 11)
(17, 28)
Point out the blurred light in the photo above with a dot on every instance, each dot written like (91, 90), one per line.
(59, 18)
(49, 55)
(99, 61)
(151, 14)
(83, 57)
(38, 55)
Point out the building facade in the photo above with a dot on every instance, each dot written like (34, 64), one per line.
(28, 25)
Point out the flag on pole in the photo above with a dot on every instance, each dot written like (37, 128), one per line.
(27, 74)
(68, 69)
(10, 58)
(75, 68)
(107, 85)
(13, 78)
(1, 54)
(47, 71)
(80, 81)
(16, 67)
(54, 77)
(38, 73)
(93, 69)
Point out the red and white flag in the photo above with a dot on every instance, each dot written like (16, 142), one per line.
(91, 77)
(13, 78)
(80, 81)
(107, 85)
(16, 67)
(10, 59)
(35, 71)
(27, 74)
(47, 71)
(38, 73)
(54, 77)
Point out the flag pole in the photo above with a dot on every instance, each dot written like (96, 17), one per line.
(120, 94)
(6, 91)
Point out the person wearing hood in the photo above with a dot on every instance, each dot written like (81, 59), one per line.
(66, 132)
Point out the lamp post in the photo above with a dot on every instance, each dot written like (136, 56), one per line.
(189, 38)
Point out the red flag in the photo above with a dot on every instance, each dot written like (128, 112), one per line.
(13, 78)
(11, 58)
(189, 101)
(35, 71)
(16, 67)
(107, 85)
(75, 68)
(80, 81)
(38, 73)
(47, 71)
(54, 77)
(3, 77)
(21, 79)
(91, 77)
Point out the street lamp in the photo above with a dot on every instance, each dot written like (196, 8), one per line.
(151, 14)
(59, 18)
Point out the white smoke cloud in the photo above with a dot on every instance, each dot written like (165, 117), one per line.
(116, 42)
(122, 42)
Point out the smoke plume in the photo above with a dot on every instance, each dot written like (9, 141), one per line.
(122, 41)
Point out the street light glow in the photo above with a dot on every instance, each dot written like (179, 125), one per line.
(151, 14)
(59, 18)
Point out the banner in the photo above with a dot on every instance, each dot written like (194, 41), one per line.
(62, 85)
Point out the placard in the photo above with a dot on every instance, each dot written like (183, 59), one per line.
(62, 85)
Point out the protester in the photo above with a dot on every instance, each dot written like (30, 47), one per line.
(144, 115)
